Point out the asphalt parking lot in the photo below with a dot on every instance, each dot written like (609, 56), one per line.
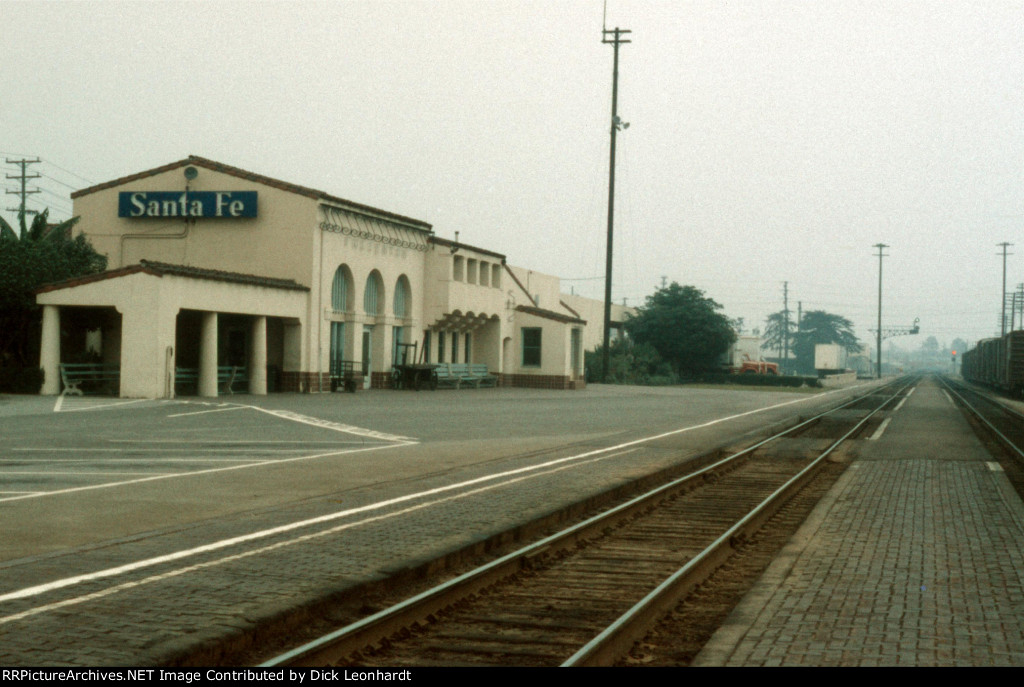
(77, 471)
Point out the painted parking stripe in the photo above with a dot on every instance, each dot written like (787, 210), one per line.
(297, 540)
(202, 412)
(588, 456)
(207, 471)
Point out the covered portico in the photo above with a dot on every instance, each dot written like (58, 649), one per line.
(151, 297)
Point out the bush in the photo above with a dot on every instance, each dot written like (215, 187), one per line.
(21, 380)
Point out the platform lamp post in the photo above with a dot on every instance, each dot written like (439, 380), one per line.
(881, 247)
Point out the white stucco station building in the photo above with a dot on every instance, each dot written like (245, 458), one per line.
(211, 266)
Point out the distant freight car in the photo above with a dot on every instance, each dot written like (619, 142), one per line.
(997, 362)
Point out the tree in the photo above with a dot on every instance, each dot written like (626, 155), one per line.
(45, 254)
(629, 363)
(775, 329)
(820, 327)
(684, 327)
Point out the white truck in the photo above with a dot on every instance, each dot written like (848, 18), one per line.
(829, 359)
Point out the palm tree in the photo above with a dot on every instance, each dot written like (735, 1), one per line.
(41, 230)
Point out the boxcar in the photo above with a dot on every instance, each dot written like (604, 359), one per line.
(997, 362)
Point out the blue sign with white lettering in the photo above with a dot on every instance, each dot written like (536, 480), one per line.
(189, 204)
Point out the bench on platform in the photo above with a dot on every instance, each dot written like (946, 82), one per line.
(95, 377)
(464, 375)
(186, 379)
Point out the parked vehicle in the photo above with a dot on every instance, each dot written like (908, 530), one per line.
(829, 359)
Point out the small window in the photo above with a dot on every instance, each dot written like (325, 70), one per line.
(471, 265)
(459, 268)
(465, 355)
(455, 347)
(440, 347)
(496, 276)
(531, 346)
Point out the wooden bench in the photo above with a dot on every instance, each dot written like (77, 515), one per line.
(97, 378)
(187, 378)
(445, 377)
(483, 375)
(464, 375)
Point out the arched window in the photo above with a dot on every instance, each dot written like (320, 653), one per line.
(373, 298)
(340, 289)
(403, 297)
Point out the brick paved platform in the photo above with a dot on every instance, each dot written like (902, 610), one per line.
(916, 557)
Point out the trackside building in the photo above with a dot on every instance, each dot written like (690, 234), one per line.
(213, 268)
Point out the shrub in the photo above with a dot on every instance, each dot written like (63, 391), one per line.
(21, 380)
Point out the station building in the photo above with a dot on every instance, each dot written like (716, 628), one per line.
(211, 266)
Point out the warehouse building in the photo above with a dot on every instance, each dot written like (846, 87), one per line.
(214, 268)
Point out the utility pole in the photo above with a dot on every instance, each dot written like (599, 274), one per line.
(613, 37)
(1005, 245)
(881, 253)
(24, 192)
(1020, 303)
(785, 326)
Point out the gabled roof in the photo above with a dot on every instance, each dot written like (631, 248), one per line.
(212, 165)
(160, 269)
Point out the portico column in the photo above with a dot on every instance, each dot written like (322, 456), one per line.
(208, 355)
(258, 356)
(49, 352)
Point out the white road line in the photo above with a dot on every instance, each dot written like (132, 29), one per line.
(336, 426)
(76, 473)
(58, 584)
(203, 472)
(911, 391)
(993, 466)
(37, 449)
(149, 461)
(900, 404)
(949, 398)
(201, 412)
(321, 442)
(66, 582)
(60, 402)
(881, 428)
(107, 405)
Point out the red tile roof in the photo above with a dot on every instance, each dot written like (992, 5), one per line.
(161, 269)
(197, 161)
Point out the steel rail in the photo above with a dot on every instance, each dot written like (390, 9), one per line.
(977, 413)
(349, 638)
(618, 637)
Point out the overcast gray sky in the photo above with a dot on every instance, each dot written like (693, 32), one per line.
(770, 142)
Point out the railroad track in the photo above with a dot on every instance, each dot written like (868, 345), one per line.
(584, 595)
(998, 425)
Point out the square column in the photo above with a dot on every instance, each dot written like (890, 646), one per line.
(208, 356)
(49, 351)
(258, 356)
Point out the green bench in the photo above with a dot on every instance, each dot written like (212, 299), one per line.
(95, 377)
(186, 379)
(464, 375)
